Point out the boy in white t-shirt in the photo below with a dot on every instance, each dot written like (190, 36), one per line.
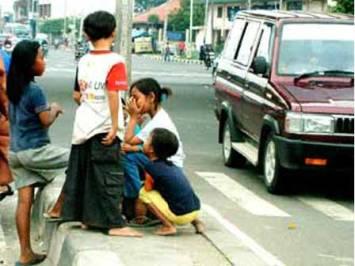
(92, 192)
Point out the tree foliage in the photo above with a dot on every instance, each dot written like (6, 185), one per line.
(344, 6)
(56, 26)
(180, 20)
(153, 19)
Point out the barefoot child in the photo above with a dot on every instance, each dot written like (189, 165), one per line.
(167, 193)
(93, 187)
(33, 160)
(146, 97)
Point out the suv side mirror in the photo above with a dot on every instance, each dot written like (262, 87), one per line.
(259, 65)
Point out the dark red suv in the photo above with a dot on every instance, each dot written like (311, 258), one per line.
(284, 89)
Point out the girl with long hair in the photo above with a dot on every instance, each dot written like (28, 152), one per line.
(33, 160)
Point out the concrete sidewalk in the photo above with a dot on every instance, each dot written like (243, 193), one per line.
(68, 244)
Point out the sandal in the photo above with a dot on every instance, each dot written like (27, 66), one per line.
(143, 221)
(6, 193)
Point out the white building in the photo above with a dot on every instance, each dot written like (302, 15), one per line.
(78, 8)
(222, 12)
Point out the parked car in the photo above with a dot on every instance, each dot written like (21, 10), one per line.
(284, 94)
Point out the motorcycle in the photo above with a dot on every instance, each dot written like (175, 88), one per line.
(209, 58)
(81, 48)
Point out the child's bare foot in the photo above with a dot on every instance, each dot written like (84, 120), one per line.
(53, 214)
(124, 231)
(199, 226)
(84, 226)
(32, 259)
(166, 231)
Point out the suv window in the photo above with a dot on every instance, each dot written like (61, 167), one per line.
(234, 39)
(248, 39)
(310, 47)
(265, 44)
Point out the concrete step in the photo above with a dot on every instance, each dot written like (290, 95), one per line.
(68, 244)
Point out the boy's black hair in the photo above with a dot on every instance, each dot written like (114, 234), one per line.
(164, 143)
(99, 25)
(21, 69)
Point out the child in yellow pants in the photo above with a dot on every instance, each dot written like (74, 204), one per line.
(167, 193)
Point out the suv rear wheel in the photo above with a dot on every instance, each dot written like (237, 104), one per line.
(274, 174)
(230, 156)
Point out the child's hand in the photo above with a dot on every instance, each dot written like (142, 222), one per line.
(132, 107)
(110, 137)
(57, 109)
(148, 182)
(126, 147)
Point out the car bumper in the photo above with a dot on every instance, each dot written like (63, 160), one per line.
(293, 154)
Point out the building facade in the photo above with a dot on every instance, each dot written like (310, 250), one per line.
(52, 9)
(222, 12)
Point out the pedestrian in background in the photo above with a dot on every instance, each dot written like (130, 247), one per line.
(5, 174)
(167, 192)
(93, 188)
(182, 47)
(146, 98)
(167, 52)
(6, 58)
(34, 162)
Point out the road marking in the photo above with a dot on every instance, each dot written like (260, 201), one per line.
(142, 73)
(338, 259)
(241, 195)
(181, 74)
(264, 255)
(57, 69)
(2, 236)
(329, 208)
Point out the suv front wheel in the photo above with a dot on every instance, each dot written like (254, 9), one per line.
(274, 174)
(230, 156)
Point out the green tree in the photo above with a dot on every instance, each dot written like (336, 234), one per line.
(180, 20)
(344, 6)
(153, 19)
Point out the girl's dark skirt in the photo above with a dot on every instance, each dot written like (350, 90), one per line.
(94, 184)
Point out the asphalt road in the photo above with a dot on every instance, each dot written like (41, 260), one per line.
(312, 225)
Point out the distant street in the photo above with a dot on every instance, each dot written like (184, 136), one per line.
(312, 225)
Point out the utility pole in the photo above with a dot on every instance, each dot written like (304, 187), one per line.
(191, 20)
(123, 42)
(206, 21)
(65, 20)
(212, 22)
